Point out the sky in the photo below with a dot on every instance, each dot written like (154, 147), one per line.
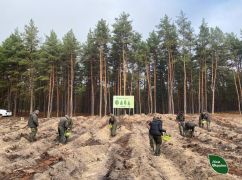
(81, 15)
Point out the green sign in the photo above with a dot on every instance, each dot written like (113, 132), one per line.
(123, 101)
(218, 164)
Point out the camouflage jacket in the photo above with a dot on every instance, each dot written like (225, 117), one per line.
(33, 121)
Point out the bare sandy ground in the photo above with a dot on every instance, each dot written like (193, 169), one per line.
(92, 154)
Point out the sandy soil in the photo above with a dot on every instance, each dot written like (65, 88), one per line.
(92, 154)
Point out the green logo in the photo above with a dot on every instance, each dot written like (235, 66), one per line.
(218, 164)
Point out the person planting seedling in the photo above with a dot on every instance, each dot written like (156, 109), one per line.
(189, 129)
(113, 123)
(180, 118)
(64, 127)
(205, 119)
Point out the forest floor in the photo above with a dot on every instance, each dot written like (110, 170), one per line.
(92, 154)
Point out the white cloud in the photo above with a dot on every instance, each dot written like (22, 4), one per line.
(227, 16)
(81, 15)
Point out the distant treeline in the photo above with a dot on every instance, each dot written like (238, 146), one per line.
(174, 69)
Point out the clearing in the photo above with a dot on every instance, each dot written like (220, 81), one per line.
(92, 154)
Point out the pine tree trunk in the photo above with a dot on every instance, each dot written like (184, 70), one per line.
(150, 102)
(68, 92)
(9, 98)
(31, 89)
(148, 94)
(15, 104)
(162, 100)
(44, 99)
(49, 94)
(137, 97)
(109, 95)
(155, 64)
(240, 89)
(237, 92)
(199, 91)
(138, 83)
(215, 77)
(63, 99)
(71, 88)
(117, 87)
(192, 97)
(212, 84)
(214, 74)
(92, 91)
(172, 84)
(205, 86)
(168, 84)
(52, 88)
(185, 86)
(105, 87)
(151, 98)
(57, 96)
(118, 82)
(202, 91)
(131, 89)
(101, 83)
(140, 107)
(124, 73)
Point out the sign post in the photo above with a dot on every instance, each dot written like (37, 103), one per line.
(120, 102)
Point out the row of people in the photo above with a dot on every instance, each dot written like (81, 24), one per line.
(65, 124)
(155, 127)
(156, 130)
(188, 127)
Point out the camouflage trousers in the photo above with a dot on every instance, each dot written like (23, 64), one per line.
(155, 143)
(203, 122)
(33, 134)
(62, 138)
(152, 142)
(181, 128)
(113, 130)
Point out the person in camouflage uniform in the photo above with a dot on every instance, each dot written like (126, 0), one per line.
(156, 131)
(113, 123)
(189, 129)
(180, 118)
(33, 125)
(64, 125)
(205, 118)
(151, 139)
